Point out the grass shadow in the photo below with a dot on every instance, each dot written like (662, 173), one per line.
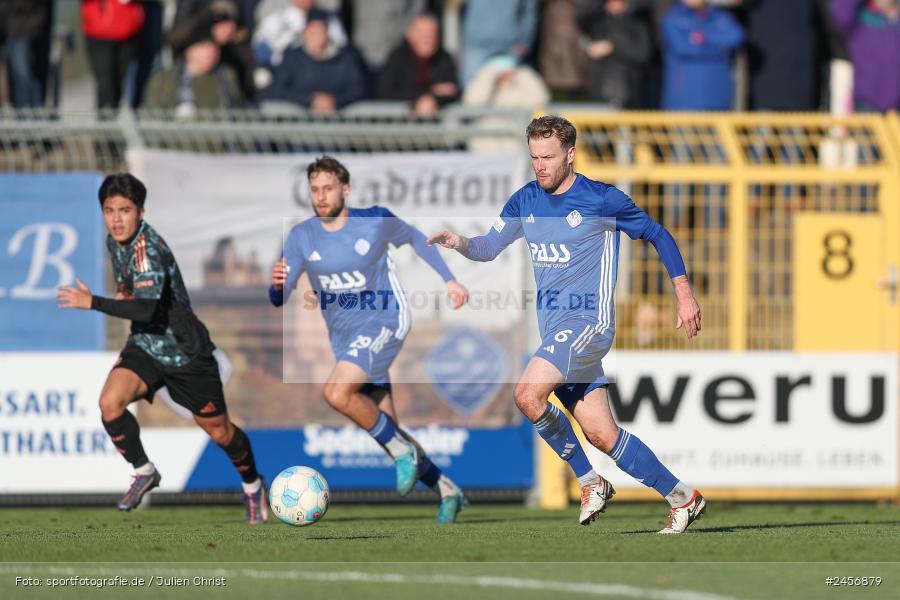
(733, 528)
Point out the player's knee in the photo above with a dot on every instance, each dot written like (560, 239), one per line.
(602, 440)
(529, 401)
(219, 433)
(111, 407)
(336, 397)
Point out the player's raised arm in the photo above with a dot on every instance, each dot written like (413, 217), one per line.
(639, 225)
(141, 308)
(400, 232)
(483, 248)
(70, 296)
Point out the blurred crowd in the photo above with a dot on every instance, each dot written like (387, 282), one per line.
(322, 55)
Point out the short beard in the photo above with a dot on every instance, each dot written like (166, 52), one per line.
(556, 183)
(331, 216)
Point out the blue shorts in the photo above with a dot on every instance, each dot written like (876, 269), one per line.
(373, 349)
(577, 348)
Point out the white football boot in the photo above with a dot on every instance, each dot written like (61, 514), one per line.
(680, 518)
(594, 497)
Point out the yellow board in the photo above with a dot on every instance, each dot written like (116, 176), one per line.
(838, 263)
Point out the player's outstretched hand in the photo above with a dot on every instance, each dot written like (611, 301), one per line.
(279, 274)
(459, 295)
(445, 238)
(688, 316)
(70, 296)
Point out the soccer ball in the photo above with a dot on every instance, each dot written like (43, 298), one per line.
(299, 496)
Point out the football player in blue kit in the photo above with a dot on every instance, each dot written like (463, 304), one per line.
(572, 225)
(345, 253)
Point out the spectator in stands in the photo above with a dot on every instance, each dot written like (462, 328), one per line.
(492, 28)
(318, 75)
(264, 8)
(21, 23)
(147, 51)
(247, 9)
(111, 32)
(872, 32)
(206, 37)
(620, 49)
(503, 82)
(283, 29)
(419, 70)
(560, 56)
(378, 27)
(786, 51)
(698, 45)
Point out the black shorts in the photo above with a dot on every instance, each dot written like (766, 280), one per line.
(195, 386)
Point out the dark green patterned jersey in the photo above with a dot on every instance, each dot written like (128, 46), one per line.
(145, 269)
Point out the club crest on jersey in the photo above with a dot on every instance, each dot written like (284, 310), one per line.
(574, 219)
(337, 282)
(499, 224)
(549, 253)
(315, 256)
(361, 246)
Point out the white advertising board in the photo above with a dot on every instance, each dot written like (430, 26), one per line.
(764, 419)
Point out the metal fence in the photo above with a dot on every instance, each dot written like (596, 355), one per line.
(730, 187)
(45, 141)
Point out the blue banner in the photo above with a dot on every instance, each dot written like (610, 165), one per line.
(351, 460)
(51, 232)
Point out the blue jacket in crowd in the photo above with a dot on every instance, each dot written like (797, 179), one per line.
(299, 76)
(492, 28)
(697, 49)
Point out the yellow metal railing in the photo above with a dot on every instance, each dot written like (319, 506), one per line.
(729, 187)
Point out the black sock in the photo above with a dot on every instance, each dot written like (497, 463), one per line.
(241, 455)
(125, 433)
(429, 473)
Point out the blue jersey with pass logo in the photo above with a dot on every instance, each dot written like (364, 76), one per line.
(352, 273)
(573, 239)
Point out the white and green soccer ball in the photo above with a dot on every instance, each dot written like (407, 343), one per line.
(299, 496)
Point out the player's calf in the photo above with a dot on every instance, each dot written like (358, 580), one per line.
(556, 429)
(240, 452)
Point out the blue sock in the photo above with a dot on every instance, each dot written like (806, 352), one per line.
(557, 431)
(636, 459)
(383, 430)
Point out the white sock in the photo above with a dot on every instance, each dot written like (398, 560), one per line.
(446, 487)
(588, 478)
(680, 495)
(397, 446)
(145, 470)
(252, 487)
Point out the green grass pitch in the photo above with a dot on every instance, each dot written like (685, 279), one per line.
(495, 551)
